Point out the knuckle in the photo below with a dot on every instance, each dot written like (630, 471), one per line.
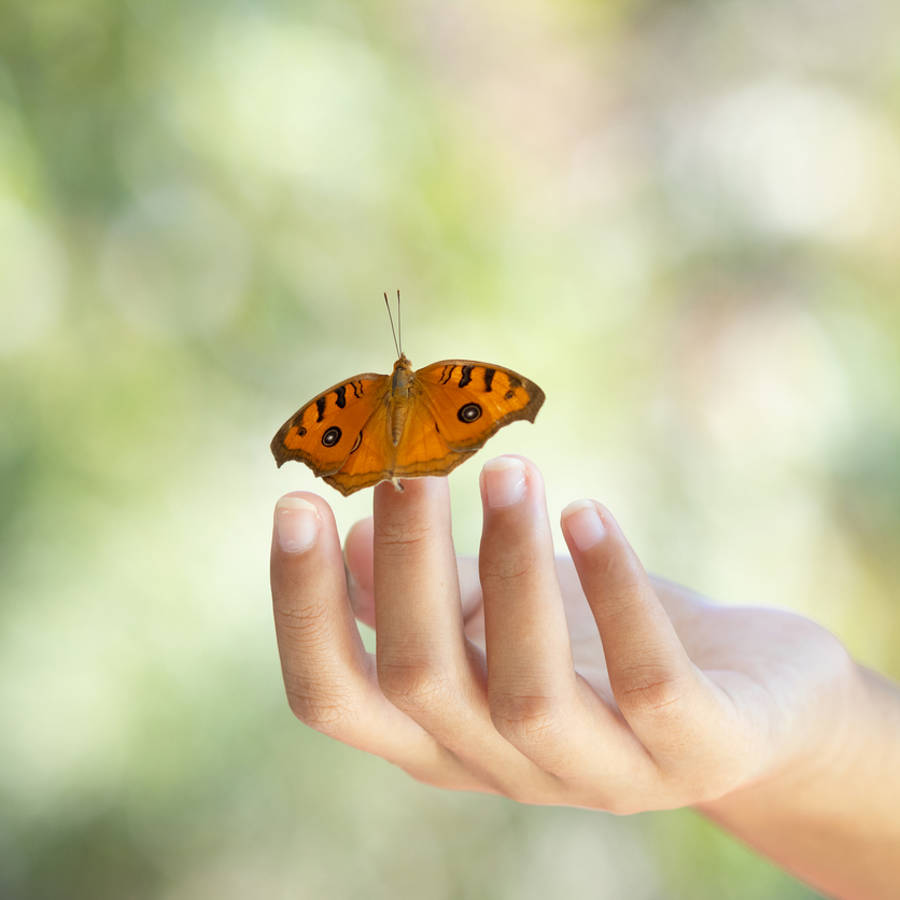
(523, 795)
(401, 539)
(622, 806)
(711, 785)
(526, 720)
(620, 599)
(325, 712)
(649, 689)
(304, 623)
(702, 782)
(509, 566)
(413, 686)
(624, 794)
(606, 564)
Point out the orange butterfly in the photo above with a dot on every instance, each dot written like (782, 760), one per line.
(373, 428)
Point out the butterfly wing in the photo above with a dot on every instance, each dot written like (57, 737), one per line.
(325, 432)
(369, 458)
(470, 400)
(345, 434)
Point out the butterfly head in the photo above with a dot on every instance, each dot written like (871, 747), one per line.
(402, 374)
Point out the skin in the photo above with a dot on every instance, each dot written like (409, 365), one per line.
(584, 681)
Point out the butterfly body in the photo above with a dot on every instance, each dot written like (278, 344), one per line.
(373, 428)
(400, 397)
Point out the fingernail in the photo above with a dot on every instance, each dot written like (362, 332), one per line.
(296, 524)
(583, 524)
(504, 481)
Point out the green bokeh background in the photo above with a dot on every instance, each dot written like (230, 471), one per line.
(681, 219)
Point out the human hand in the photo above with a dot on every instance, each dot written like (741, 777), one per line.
(576, 681)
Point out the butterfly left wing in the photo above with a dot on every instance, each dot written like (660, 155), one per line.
(471, 400)
(325, 432)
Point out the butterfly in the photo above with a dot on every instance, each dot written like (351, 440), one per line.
(411, 423)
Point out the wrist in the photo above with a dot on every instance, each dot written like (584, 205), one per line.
(816, 733)
(828, 815)
(820, 739)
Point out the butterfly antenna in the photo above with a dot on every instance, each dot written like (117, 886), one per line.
(399, 324)
(393, 331)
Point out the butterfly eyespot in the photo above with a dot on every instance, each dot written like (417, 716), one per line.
(469, 413)
(331, 436)
(301, 431)
(509, 395)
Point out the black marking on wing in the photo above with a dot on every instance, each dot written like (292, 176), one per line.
(466, 376)
(341, 393)
(320, 407)
(355, 391)
(448, 376)
(356, 443)
(489, 378)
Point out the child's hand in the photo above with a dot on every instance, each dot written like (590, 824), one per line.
(590, 684)
(682, 701)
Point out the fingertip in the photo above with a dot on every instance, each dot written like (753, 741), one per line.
(507, 480)
(503, 482)
(297, 522)
(359, 537)
(587, 523)
(359, 552)
(606, 562)
(516, 534)
(296, 499)
(362, 600)
(583, 524)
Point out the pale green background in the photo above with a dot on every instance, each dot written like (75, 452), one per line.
(681, 219)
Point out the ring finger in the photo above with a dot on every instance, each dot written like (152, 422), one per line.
(426, 666)
(536, 699)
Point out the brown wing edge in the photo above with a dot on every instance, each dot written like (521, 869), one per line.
(280, 452)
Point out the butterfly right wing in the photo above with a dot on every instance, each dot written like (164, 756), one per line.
(323, 433)
(472, 400)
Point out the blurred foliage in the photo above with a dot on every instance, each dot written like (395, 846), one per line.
(681, 219)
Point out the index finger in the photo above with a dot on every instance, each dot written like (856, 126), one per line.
(329, 677)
